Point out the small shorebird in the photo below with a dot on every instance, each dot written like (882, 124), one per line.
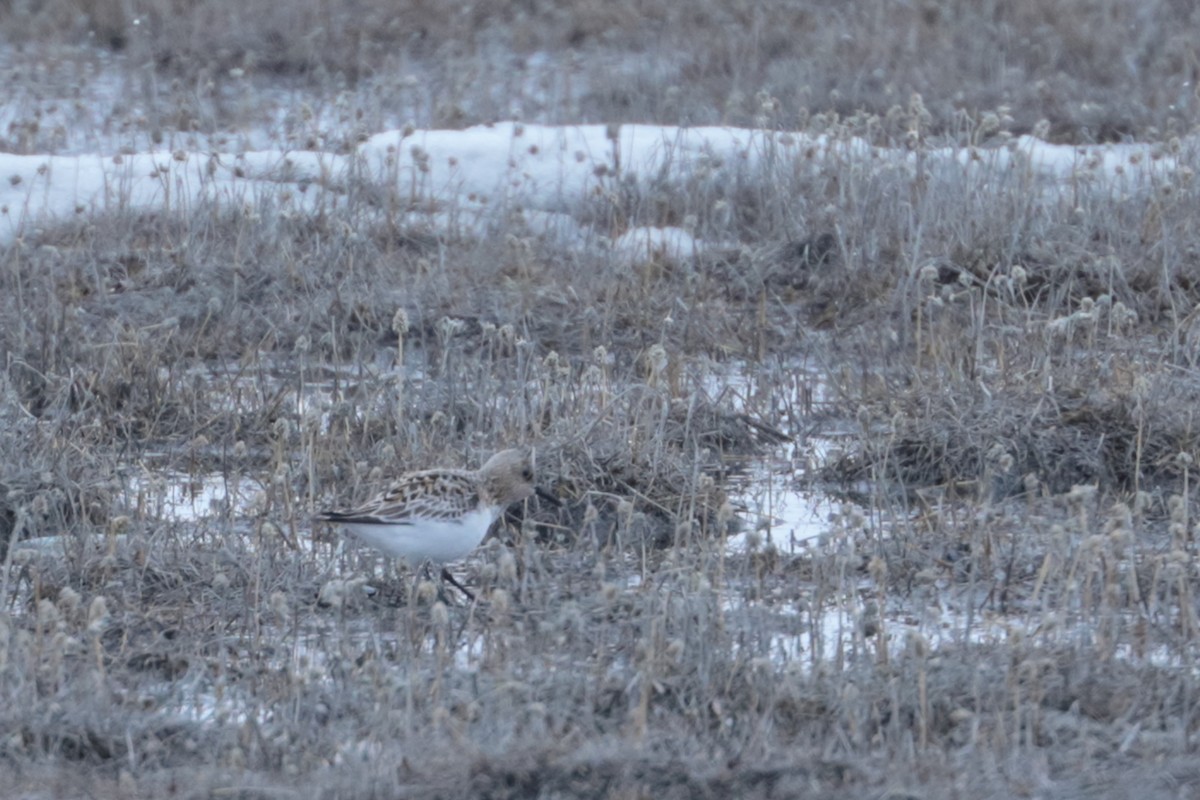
(439, 515)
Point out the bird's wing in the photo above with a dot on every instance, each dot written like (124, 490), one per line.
(444, 495)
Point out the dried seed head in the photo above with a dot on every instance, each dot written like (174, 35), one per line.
(68, 601)
(870, 620)
(1177, 508)
(47, 614)
(1081, 493)
(439, 615)
(1093, 545)
(507, 566)
(426, 591)
(1123, 316)
(97, 614)
(1121, 516)
(283, 428)
(1119, 540)
(657, 360)
(1175, 566)
(674, 649)
(400, 322)
(448, 327)
(877, 569)
(501, 600)
(724, 516)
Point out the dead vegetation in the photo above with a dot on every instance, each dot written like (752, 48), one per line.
(1005, 388)
(1082, 76)
(1016, 579)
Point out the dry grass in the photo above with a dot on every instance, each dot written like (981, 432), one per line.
(1007, 375)
(188, 71)
(620, 647)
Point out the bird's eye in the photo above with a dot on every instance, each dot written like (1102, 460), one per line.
(527, 474)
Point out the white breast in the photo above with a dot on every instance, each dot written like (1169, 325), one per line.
(439, 541)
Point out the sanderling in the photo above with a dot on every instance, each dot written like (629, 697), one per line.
(439, 515)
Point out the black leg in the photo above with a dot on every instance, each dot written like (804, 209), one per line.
(450, 579)
(426, 573)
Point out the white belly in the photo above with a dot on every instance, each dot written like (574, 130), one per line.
(439, 541)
